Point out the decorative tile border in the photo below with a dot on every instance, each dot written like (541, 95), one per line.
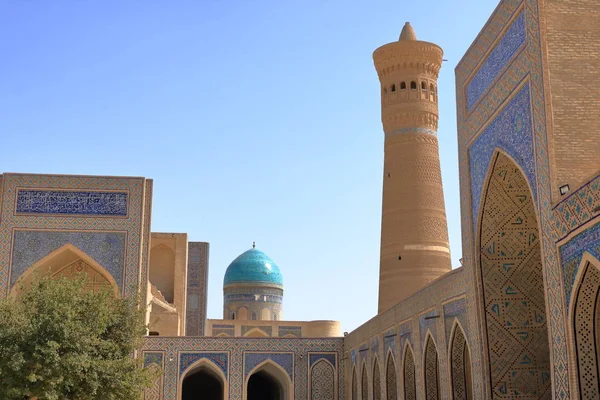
(186, 359)
(290, 330)
(512, 40)
(57, 202)
(314, 357)
(577, 209)
(197, 280)
(405, 131)
(268, 330)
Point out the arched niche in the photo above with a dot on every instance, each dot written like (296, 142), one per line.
(584, 312)
(431, 369)
(391, 382)
(460, 364)
(364, 383)
(268, 381)
(68, 261)
(162, 271)
(256, 333)
(510, 276)
(242, 314)
(322, 381)
(204, 377)
(409, 374)
(376, 380)
(354, 384)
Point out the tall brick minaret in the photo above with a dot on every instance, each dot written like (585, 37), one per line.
(414, 233)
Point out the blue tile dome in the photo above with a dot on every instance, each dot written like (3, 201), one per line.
(253, 266)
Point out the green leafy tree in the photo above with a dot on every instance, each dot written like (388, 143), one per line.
(61, 341)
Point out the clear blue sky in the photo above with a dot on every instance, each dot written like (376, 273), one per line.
(258, 121)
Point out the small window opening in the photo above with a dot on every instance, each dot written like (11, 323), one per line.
(423, 85)
(413, 85)
(389, 175)
(399, 257)
(394, 87)
(432, 88)
(403, 85)
(232, 315)
(254, 316)
(274, 317)
(154, 333)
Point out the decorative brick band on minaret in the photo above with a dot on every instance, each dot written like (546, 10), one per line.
(414, 232)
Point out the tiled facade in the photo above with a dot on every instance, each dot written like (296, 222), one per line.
(508, 324)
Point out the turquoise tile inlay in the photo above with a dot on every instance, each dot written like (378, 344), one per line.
(253, 266)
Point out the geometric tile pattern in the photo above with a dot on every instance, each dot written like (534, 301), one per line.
(354, 385)
(284, 360)
(154, 360)
(455, 310)
(509, 131)
(197, 282)
(322, 381)
(526, 66)
(331, 357)
(267, 330)
(459, 363)
(290, 330)
(576, 209)
(432, 382)
(513, 290)
(106, 248)
(219, 359)
(376, 381)
(134, 225)
(512, 40)
(71, 203)
(572, 252)
(281, 350)
(586, 329)
(391, 388)
(364, 386)
(410, 384)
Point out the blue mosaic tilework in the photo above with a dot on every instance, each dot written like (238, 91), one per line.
(187, 359)
(266, 329)
(285, 360)
(106, 248)
(71, 203)
(153, 358)
(509, 44)
(404, 131)
(426, 323)
(405, 329)
(572, 252)
(389, 341)
(251, 298)
(290, 330)
(353, 355)
(253, 266)
(455, 308)
(510, 131)
(331, 357)
(375, 345)
(577, 208)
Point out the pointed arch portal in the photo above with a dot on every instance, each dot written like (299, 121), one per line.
(512, 286)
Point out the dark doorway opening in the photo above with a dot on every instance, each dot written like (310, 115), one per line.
(203, 385)
(263, 386)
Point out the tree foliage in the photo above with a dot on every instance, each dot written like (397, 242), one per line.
(61, 341)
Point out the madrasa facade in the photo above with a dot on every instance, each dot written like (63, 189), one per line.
(518, 320)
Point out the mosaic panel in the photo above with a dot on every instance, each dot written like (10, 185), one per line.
(585, 327)
(154, 360)
(511, 131)
(314, 357)
(197, 280)
(106, 248)
(577, 209)
(458, 366)
(220, 359)
(455, 310)
(32, 201)
(527, 64)
(389, 342)
(391, 385)
(512, 40)
(572, 252)
(251, 298)
(266, 329)
(285, 360)
(513, 290)
(229, 330)
(410, 383)
(354, 385)
(135, 224)
(322, 381)
(290, 330)
(428, 322)
(375, 345)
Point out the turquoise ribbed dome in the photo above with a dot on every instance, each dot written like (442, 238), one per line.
(253, 266)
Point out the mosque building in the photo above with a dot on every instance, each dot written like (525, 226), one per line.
(518, 320)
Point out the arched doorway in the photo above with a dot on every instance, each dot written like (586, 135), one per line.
(202, 383)
(460, 366)
(512, 286)
(586, 329)
(268, 381)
